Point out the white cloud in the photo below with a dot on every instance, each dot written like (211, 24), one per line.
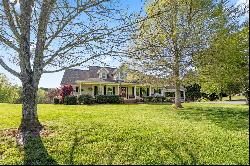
(107, 59)
(242, 2)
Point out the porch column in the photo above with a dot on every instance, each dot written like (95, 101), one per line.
(118, 91)
(80, 88)
(135, 91)
(100, 88)
(93, 90)
(184, 96)
(150, 90)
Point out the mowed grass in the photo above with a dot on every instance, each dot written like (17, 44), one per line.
(234, 98)
(131, 134)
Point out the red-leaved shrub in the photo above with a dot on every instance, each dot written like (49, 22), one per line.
(65, 90)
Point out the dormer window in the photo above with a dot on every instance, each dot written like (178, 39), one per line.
(103, 75)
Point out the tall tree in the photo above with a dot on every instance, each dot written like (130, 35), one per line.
(224, 65)
(172, 32)
(46, 36)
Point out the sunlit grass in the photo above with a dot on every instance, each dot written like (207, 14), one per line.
(134, 134)
(234, 98)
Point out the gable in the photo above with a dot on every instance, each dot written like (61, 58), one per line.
(103, 70)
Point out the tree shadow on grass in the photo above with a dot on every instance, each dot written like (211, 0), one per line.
(227, 118)
(35, 153)
(191, 160)
(70, 161)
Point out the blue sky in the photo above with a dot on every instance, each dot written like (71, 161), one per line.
(53, 80)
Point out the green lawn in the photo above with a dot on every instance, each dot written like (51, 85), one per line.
(234, 98)
(131, 134)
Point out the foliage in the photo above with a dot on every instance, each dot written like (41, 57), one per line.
(156, 99)
(159, 99)
(111, 99)
(70, 100)
(52, 93)
(86, 99)
(193, 92)
(172, 32)
(148, 98)
(212, 97)
(8, 93)
(41, 96)
(65, 90)
(138, 134)
(224, 65)
(56, 100)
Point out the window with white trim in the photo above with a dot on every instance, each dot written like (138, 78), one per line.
(103, 75)
(110, 91)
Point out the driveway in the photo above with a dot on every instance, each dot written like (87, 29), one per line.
(224, 102)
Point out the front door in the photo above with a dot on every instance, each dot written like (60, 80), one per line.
(123, 92)
(95, 90)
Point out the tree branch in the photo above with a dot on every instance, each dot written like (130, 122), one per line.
(8, 43)
(6, 67)
(74, 65)
(10, 19)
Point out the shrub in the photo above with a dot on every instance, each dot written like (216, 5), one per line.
(70, 100)
(155, 99)
(51, 94)
(112, 99)
(159, 99)
(65, 90)
(168, 99)
(148, 98)
(86, 99)
(203, 99)
(193, 92)
(56, 101)
(213, 97)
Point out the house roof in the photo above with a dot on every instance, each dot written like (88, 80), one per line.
(72, 75)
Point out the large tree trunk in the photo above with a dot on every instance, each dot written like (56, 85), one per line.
(177, 95)
(177, 82)
(30, 125)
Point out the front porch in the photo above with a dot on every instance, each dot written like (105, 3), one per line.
(126, 90)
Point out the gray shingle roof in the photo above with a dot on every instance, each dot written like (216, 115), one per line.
(72, 75)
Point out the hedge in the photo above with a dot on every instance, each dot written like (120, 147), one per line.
(56, 101)
(156, 99)
(111, 99)
(70, 100)
(86, 99)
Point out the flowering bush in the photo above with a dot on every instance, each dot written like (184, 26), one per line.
(65, 90)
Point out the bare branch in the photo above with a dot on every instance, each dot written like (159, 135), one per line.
(74, 65)
(6, 67)
(8, 43)
(10, 18)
